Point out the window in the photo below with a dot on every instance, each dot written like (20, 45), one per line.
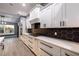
(7, 29)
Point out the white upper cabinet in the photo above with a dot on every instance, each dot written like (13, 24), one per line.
(65, 15)
(52, 16)
(57, 15)
(45, 17)
(35, 13)
(72, 15)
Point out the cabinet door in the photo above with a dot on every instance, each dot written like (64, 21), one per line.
(57, 14)
(65, 52)
(48, 49)
(52, 16)
(45, 17)
(72, 14)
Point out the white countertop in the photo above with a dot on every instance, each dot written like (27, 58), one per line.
(69, 45)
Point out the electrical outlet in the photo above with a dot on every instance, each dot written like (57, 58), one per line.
(55, 33)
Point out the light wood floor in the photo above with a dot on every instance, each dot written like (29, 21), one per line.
(15, 47)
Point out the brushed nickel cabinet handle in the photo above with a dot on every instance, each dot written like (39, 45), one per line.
(63, 23)
(46, 45)
(67, 54)
(60, 23)
(46, 52)
(29, 41)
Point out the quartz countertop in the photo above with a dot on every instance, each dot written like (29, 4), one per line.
(69, 45)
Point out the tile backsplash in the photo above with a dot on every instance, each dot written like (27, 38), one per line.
(71, 34)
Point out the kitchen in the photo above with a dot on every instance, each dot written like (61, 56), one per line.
(47, 29)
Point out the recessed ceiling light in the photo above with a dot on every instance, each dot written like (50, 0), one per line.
(23, 4)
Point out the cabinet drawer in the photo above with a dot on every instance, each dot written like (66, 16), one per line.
(30, 46)
(22, 38)
(44, 53)
(65, 52)
(30, 40)
(49, 48)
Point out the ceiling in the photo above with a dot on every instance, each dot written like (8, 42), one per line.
(16, 8)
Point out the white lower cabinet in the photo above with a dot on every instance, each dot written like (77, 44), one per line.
(36, 46)
(23, 39)
(31, 42)
(43, 48)
(47, 49)
(65, 52)
(45, 17)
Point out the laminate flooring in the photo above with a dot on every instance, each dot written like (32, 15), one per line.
(15, 47)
